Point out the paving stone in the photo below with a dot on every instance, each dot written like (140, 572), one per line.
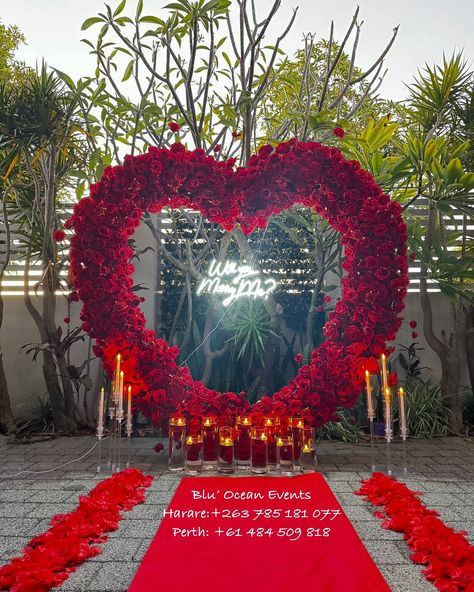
(356, 513)
(18, 526)
(113, 577)
(79, 581)
(385, 552)
(16, 509)
(402, 578)
(120, 549)
(442, 469)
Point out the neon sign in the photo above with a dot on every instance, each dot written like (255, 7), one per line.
(235, 281)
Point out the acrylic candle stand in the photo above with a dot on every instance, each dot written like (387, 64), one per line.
(388, 415)
(111, 419)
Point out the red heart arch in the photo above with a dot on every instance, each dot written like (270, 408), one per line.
(373, 289)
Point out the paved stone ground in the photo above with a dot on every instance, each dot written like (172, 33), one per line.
(442, 469)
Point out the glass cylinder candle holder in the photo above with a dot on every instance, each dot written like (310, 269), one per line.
(285, 454)
(210, 441)
(259, 450)
(307, 452)
(272, 430)
(295, 428)
(242, 442)
(226, 462)
(176, 436)
(193, 463)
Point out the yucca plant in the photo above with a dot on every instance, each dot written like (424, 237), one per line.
(428, 413)
(250, 324)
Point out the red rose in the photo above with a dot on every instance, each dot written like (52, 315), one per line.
(414, 335)
(174, 127)
(298, 358)
(413, 256)
(67, 320)
(413, 324)
(392, 379)
(158, 447)
(59, 235)
(339, 132)
(217, 148)
(327, 298)
(236, 134)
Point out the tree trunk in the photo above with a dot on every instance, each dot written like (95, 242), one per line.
(6, 416)
(450, 378)
(447, 349)
(470, 344)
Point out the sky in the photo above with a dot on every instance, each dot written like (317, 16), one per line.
(427, 29)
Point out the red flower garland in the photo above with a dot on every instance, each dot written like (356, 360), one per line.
(372, 232)
(49, 558)
(447, 554)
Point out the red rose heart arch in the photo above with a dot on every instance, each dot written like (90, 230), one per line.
(373, 289)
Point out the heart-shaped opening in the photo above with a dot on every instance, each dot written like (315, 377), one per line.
(371, 231)
(243, 309)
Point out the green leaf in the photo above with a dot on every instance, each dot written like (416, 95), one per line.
(128, 70)
(151, 19)
(139, 9)
(119, 8)
(91, 21)
(454, 170)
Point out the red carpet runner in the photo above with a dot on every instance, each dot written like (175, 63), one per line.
(256, 534)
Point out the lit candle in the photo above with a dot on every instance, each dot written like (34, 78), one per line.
(120, 397)
(370, 402)
(100, 420)
(306, 448)
(384, 373)
(246, 421)
(403, 417)
(129, 411)
(117, 378)
(388, 415)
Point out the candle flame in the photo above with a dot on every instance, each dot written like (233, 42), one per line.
(383, 356)
(300, 424)
(207, 422)
(246, 420)
(367, 374)
(401, 392)
(189, 440)
(118, 357)
(306, 448)
(102, 391)
(122, 374)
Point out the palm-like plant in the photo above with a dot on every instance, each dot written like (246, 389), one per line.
(41, 139)
(251, 327)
